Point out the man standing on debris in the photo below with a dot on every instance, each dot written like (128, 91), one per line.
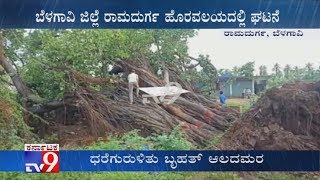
(159, 72)
(133, 79)
(223, 98)
(166, 76)
(163, 73)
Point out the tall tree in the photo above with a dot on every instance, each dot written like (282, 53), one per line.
(62, 65)
(296, 69)
(310, 72)
(236, 71)
(263, 70)
(224, 71)
(247, 69)
(277, 69)
(12, 72)
(309, 67)
(286, 70)
(37, 55)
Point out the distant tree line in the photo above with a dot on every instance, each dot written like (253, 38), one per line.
(279, 75)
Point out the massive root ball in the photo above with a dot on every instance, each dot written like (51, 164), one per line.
(285, 118)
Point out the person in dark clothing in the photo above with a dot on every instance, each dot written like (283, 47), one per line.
(116, 70)
(223, 98)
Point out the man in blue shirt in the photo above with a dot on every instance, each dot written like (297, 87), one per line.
(223, 98)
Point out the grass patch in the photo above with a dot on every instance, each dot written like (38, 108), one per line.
(242, 107)
(133, 141)
(152, 176)
(214, 141)
(284, 176)
(122, 176)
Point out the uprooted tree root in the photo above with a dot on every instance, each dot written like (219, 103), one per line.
(110, 112)
(105, 115)
(286, 118)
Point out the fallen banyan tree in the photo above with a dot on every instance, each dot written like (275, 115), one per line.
(109, 112)
(285, 118)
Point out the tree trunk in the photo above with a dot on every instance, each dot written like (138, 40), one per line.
(12, 72)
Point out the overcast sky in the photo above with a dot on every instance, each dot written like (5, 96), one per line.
(227, 52)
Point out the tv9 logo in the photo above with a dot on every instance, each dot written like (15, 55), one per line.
(42, 158)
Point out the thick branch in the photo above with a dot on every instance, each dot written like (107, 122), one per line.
(192, 66)
(46, 107)
(16, 79)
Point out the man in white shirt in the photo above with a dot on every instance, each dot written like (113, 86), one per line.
(159, 72)
(133, 80)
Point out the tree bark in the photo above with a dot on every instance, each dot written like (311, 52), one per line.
(12, 72)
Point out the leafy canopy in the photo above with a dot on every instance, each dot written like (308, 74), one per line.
(39, 55)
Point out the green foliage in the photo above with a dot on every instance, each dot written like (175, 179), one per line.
(278, 77)
(129, 141)
(217, 175)
(233, 104)
(89, 52)
(202, 77)
(13, 130)
(225, 71)
(242, 107)
(169, 44)
(277, 69)
(263, 70)
(74, 175)
(133, 141)
(111, 144)
(293, 74)
(247, 69)
(171, 50)
(283, 176)
(152, 176)
(46, 83)
(214, 141)
(253, 99)
(51, 138)
(174, 141)
(286, 70)
(41, 55)
(122, 176)
(14, 43)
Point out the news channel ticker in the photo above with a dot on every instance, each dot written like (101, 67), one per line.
(42, 158)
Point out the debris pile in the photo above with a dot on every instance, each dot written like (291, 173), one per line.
(285, 118)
